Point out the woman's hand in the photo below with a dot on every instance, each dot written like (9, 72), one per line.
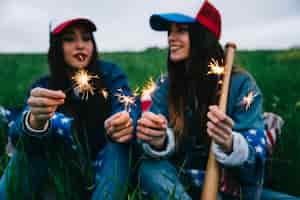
(152, 129)
(219, 128)
(43, 104)
(119, 127)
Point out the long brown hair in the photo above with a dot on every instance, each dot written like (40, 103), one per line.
(90, 113)
(190, 85)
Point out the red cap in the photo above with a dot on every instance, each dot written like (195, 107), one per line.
(210, 17)
(59, 27)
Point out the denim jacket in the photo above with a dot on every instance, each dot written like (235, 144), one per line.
(248, 128)
(60, 125)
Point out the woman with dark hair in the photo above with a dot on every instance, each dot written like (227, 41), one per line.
(74, 127)
(183, 118)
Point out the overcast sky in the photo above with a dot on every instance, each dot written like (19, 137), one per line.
(124, 24)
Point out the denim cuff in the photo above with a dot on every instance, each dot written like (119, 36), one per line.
(33, 132)
(239, 154)
(168, 150)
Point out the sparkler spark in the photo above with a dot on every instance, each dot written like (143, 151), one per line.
(149, 87)
(104, 93)
(136, 92)
(82, 84)
(162, 78)
(126, 100)
(147, 90)
(247, 100)
(215, 68)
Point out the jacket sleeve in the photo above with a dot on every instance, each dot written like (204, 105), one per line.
(159, 105)
(249, 127)
(117, 83)
(30, 140)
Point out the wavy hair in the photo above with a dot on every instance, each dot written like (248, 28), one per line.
(190, 85)
(87, 114)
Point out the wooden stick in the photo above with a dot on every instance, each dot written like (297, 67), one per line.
(212, 173)
(230, 49)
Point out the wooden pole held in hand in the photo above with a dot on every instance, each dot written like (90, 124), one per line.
(212, 173)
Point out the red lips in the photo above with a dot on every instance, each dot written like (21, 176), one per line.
(80, 56)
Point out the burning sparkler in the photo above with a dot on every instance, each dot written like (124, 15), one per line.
(215, 68)
(162, 77)
(147, 90)
(82, 84)
(247, 100)
(126, 100)
(149, 87)
(104, 92)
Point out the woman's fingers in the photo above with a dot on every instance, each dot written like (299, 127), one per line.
(43, 104)
(118, 122)
(124, 132)
(119, 127)
(121, 120)
(142, 136)
(218, 116)
(42, 101)
(151, 128)
(151, 132)
(125, 138)
(217, 131)
(156, 119)
(118, 119)
(216, 138)
(46, 93)
(219, 127)
(41, 97)
(145, 122)
(43, 110)
(108, 121)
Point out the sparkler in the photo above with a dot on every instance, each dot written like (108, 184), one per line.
(215, 67)
(147, 90)
(127, 101)
(161, 79)
(82, 84)
(149, 87)
(247, 100)
(104, 93)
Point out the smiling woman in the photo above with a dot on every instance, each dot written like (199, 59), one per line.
(177, 129)
(85, 140)
(178, 39)
(77, 46)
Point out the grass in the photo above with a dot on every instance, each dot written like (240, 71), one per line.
(277, 73)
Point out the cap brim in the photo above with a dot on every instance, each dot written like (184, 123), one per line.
(161, 22)
(90, 25)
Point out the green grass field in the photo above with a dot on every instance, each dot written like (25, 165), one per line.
(277, 73)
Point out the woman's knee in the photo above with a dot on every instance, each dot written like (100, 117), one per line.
(159, 179)
(156, 174)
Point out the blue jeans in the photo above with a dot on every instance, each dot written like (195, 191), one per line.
(159, 179)
(111, 175)
(268, 194)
